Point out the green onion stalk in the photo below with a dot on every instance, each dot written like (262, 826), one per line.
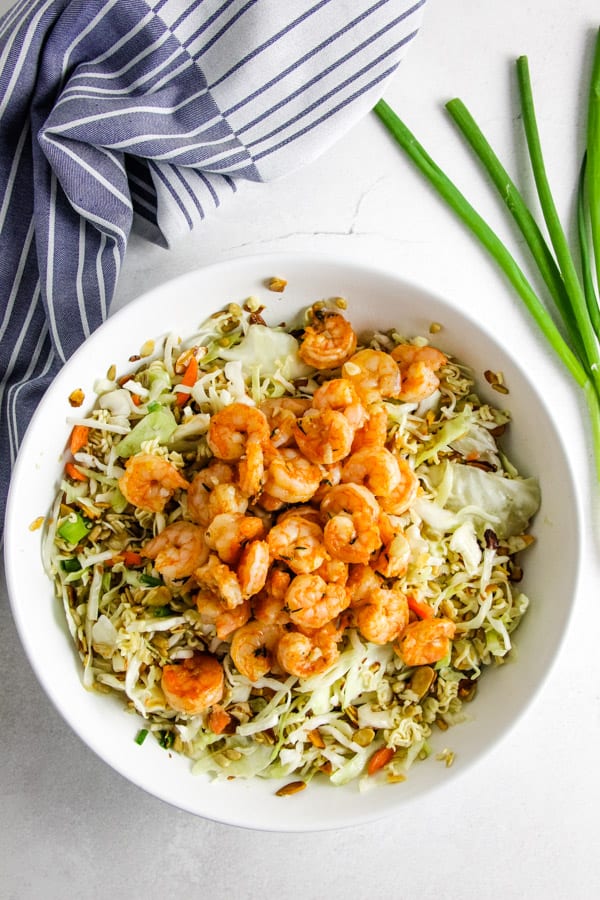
(575, 300)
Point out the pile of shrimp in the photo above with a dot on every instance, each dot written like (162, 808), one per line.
(284, 538)
(293, 531)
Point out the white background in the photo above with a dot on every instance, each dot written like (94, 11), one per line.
(524, 821)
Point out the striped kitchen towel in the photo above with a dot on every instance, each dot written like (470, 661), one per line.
(115, 112)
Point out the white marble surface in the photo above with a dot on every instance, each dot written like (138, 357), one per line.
(523, 821)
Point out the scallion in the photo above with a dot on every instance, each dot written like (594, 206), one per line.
(575, 300)
(74, 529)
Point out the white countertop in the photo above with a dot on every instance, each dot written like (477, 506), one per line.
(523, 821)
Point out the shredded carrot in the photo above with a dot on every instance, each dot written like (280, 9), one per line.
(73, 472)
(79, 438)
(136, 399)
(419, 607)
(218, 719)
(131, 558)
(379, 759)
(190, 376)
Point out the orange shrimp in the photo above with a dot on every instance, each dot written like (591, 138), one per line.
(312, 602)
(150, 481)
(291, 477)
(383, 616)
(201, 488)
(229, 532)
(193, 685)
(425, 641)
(269, 605)
(178, 550)
(374, 375)
(374, 467)
(328, 342)
(232, 427)
(299, 543)
(214, 611)
(418, 366)
(216, 576)
(253, 647)
(309, 653)
(253, 568)
(374, 431)
(402, 497)
(339, 394)
(324, 436)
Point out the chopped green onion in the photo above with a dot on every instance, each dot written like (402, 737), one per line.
(71, 565)
(74, 529)
(150, 580)
(166, 739)
(162, 612)
(141, 736)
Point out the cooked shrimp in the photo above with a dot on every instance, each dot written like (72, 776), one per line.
(403, 495)
(362, 582)
(304, 509)
(383, 616)
(374, 375)
(281, 413)
(213, 610)
(351, 534)
(178, 550)
(251, 468)
(339, 394)
(328, 342)
(418, 366)
(426, 641)
(232, 427)
(351, 499)
(200, 489)
(374, 432)
(298, 542)
(253, 568)
(312, 602)
(269, 503)
(252, 649)
(308, 654)
(193, 685)
(331, 475)
(269, 605)
(216, 576)
(393, 560)
(333, 571)
(324, 436)
(352, 539)
(229, 532)
(226, 498)
(374, 467)
(150, 481)
(291, 477)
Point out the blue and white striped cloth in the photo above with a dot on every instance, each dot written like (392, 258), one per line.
(115, 112)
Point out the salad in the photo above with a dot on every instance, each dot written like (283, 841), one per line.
(292, 550)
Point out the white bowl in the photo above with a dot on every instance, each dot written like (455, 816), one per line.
(375, 298)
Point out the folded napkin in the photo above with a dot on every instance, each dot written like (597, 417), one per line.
(122, 112)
